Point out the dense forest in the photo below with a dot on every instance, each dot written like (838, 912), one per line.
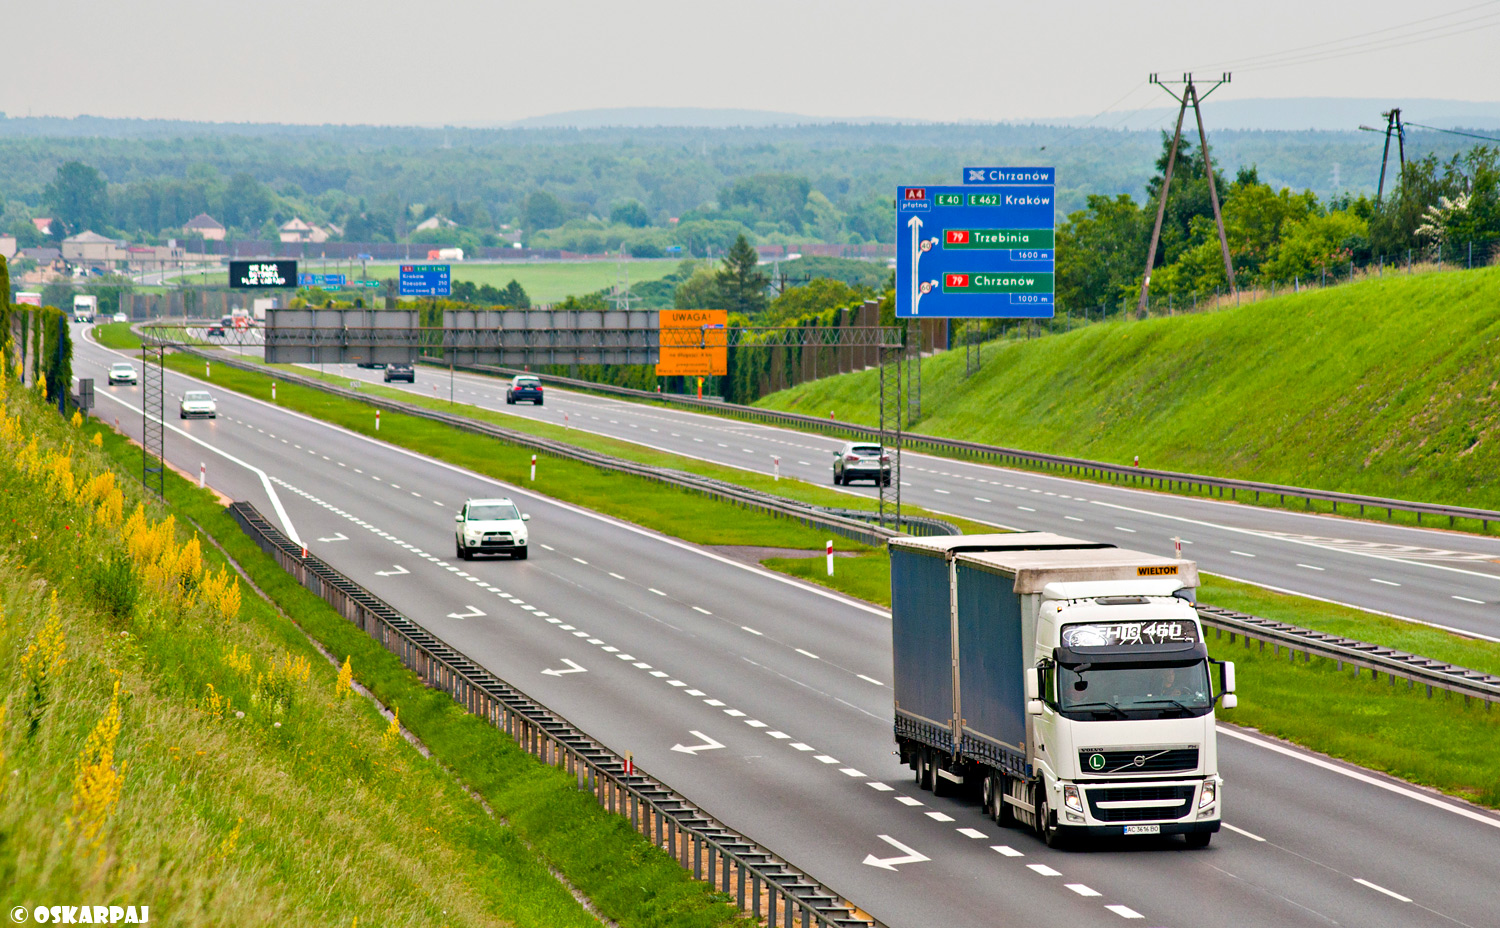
(589, 190)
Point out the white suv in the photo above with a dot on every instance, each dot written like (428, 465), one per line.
(122, 372)
(490, 526)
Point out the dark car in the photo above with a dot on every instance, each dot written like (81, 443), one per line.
(860, 461)
(373, 365)
(216, 331)
(227, 322)
(400, 372)
(526, 387)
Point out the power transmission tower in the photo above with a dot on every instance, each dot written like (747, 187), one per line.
(1188, 96)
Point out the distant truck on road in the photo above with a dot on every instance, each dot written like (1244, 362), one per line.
(445, 254)
(85, 307)
(1064, 683)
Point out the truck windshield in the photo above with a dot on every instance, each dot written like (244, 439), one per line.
(1118, 689)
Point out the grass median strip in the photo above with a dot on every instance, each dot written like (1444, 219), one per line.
(1438, 742)
(680, 513)
(546, 819)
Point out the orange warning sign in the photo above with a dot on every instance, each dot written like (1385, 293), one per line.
(694, 343)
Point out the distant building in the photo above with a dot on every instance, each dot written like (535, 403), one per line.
(295, 230)
(42, 256)
(90, 249)
(206, 226)
(7, 246)
(435, 222)
(43, 224)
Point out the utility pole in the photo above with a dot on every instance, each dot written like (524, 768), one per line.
(1188, 96)
(1392, 125)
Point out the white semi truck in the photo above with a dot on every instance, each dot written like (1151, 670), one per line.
(85, 307)
(1065, 684)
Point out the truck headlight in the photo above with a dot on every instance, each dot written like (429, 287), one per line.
(1071, 799)
(1210, 794)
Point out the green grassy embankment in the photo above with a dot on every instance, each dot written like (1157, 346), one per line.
(1438, 742)
(1385, 387)
(170, 739)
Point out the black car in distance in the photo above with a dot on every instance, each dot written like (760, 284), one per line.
(400, 372)
(861, 461)
(525, 387)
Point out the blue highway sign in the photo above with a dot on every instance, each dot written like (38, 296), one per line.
(992, 176)
(976, 252)
(425, 280)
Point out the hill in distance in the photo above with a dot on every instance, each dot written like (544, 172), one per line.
(1384, 387)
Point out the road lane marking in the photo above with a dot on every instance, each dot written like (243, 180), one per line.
(981, 499)
(751, 630)
(808, 654)
(880, 787)
(1005, 850)
(1081, 889)
(798, 745)
(1385, 582)
(1026, 509)
(580, 560)
(651, 588)
(939, 816)
(702, 610)
(1381, 889)
(1121, 528)
(1241, 831)
(1242, 553)
(1310, 567)
(944, 492)
(1465, 599)
(851, 772)
(1124, 911)
(826, 759)
(1043, 869)
(972, 833)
(870, 680)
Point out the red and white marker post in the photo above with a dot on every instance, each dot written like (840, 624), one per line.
(1176, 546)
(830, 557)
(533, 468)
(202, 473)
(629, 764)
(377, 420)
(776, 462)
(273, 391)
(565, 419)
(208, 369)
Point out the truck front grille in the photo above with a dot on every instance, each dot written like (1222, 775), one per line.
(1168, 802)
(1108, 761)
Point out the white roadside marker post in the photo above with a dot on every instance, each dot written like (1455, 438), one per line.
(273, 391)
(377, 420)
(208, 370)
(1176, 546)
(202, 474)
(533, 468)
(777, 462)
(830, 557)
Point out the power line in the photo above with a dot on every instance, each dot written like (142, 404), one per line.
(1459, 28)
(1251, 59)
(1471, 135)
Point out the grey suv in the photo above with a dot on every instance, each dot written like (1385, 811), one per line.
(861, 461)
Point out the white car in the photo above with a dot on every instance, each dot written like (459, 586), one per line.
(197, 404)
(490, 526)
(120, 317)
(123, 372)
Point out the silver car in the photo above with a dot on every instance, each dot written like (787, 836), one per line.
(197, 404)
(859, 460)
(122, 372)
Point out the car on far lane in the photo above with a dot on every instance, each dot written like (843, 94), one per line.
(490, 526)
(400, 372)
(120, 317)
(861, 461)
(526, 387)
(197, 404)
(122, 372)
(215, 331)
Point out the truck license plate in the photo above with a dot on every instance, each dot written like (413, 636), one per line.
(1143, 829)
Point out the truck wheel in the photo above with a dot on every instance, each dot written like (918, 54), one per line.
(926, 772)
(1005, 813)
(1199, 838)
(989, 798)
(1045, 827)
(460, 553)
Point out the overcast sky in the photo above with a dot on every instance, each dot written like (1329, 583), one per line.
(468, 62)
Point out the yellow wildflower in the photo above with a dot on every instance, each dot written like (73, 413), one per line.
(344, 685)
(97, 784)
(393, 730)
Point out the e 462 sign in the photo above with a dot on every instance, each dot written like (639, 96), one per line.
(977, 251)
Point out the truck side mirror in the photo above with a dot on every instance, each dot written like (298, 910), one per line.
(1033, 685)
(1227, 676)
(1229, 700)
(1033, 707)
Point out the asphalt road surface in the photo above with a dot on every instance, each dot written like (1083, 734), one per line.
(767, 702)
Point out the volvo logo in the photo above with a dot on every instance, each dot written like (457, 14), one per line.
(1140, 760)
(1096, 761)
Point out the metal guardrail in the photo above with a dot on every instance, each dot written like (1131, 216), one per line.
(1162, 479)
(1375, 658)
(766, 887)
(851, 524)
